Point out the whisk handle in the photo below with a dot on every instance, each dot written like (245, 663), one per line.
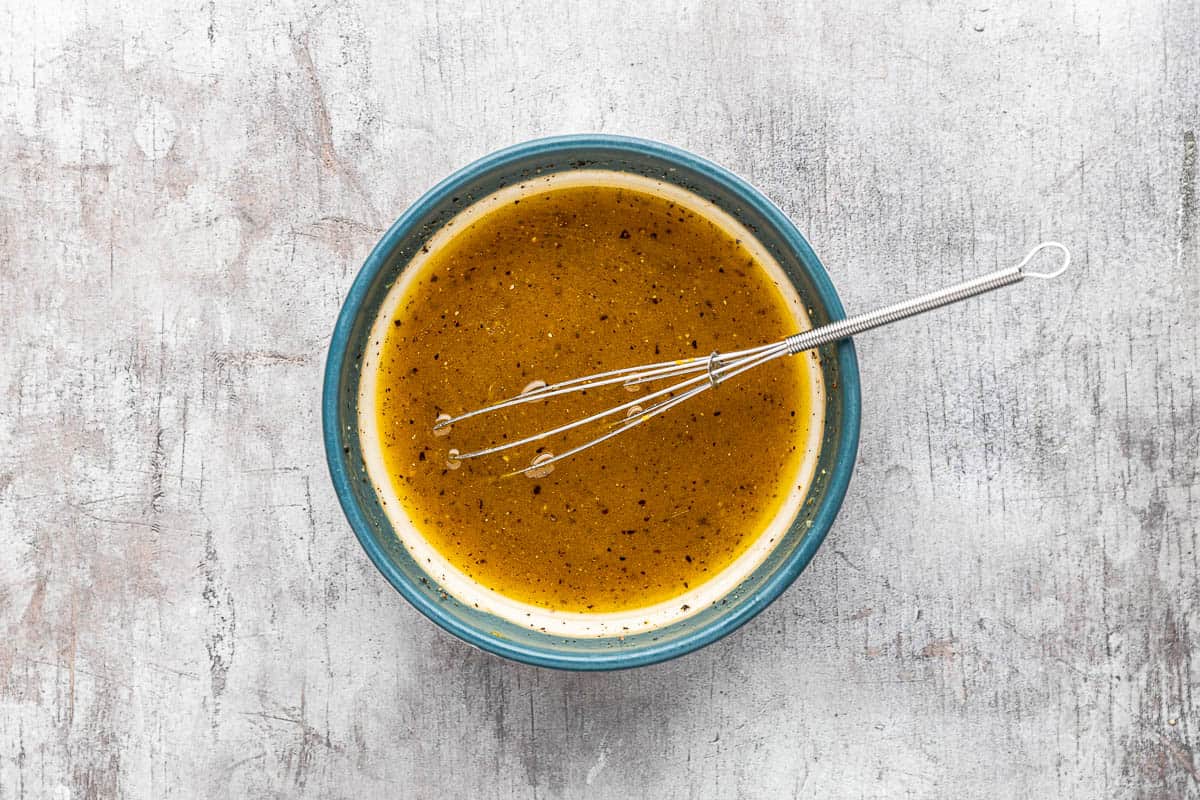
(852, 326)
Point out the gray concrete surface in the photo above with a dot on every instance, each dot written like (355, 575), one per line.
(1008, 605)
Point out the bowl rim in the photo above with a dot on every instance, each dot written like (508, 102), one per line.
(747, 608)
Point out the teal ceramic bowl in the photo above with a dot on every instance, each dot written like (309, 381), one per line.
(839, 441)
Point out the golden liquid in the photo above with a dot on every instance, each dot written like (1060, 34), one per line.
(556, 285)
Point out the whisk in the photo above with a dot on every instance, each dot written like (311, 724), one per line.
(709, 371)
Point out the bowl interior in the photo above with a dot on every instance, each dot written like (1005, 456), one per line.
(340, 405)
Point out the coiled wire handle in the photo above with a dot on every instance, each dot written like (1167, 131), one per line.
(852, 326)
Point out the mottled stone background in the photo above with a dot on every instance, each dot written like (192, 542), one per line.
(1008, 605)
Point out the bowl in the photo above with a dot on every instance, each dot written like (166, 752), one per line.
(344, 452)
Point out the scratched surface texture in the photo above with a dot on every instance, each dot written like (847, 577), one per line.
(1008, 605)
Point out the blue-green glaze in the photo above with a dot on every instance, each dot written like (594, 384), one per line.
(392, 254)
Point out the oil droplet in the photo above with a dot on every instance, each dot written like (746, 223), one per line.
(533, 387)
(452, 459)
(438, 428)
(541, 471)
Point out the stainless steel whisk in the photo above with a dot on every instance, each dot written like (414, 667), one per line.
(709, 371)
